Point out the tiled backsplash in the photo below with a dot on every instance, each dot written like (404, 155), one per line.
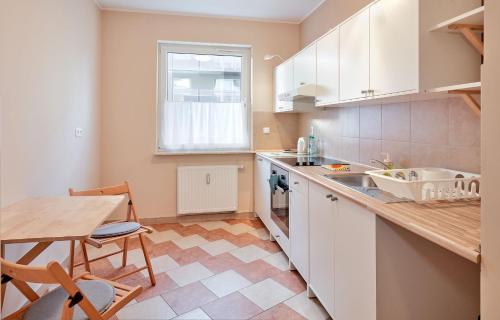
(431, 133)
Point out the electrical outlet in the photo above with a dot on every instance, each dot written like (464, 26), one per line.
(266, 130)
(78, 132)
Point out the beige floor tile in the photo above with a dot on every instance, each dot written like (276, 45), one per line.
(190, 241)
(267, 293)
(161, 264)
(226, 283)
(155, 309)
(250, 253)
(218, 247)
(278, 260)
(163, 236)
(135, 257)
(238, 228)
(308, 308)
(196, 314)
(189, 273)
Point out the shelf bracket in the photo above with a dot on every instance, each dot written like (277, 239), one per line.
(468, 31)
(466, 95)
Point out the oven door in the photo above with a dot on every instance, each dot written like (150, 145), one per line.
(279, 207)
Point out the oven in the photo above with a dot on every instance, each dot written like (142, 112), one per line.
(279, 198)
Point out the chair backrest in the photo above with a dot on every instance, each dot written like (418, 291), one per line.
(121, 189)
(53, 273)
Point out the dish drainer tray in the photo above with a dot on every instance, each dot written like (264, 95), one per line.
(428, 184)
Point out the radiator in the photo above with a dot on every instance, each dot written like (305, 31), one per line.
(207, 189)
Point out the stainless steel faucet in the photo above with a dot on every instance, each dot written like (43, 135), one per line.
(380, 162)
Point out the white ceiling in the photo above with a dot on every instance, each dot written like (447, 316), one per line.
(293, 11)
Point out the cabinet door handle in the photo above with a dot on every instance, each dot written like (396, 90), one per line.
(332, 198)
(296, 182)
(208, 178)
(302, 83)
(259, 159)
(364, 91)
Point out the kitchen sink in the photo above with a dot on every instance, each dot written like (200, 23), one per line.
(363, 183)
(353, 180)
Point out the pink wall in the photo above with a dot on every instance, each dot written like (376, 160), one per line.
(327, 16)
(49, 85)
(129, 101)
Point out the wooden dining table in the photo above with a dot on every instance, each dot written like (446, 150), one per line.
(49, 219)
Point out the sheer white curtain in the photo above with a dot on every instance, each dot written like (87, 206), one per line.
(198, 126)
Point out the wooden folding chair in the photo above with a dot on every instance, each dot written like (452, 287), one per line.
(122, 189)
(85, 296)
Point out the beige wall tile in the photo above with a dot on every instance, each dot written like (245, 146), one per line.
(370, 122)
(350, 122)
(396, 122)
(465, 126)
(427, 155)
(399, 152)
(465, 159)
(429, 122)
(369, 149)
(350, 149)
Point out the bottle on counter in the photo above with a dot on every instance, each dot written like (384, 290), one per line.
(312, 147)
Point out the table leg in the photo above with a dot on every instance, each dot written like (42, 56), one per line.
(26, 259)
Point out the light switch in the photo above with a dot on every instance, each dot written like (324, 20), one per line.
(266, 130)
(78, 132)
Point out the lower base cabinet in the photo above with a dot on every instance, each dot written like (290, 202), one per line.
(342, 255)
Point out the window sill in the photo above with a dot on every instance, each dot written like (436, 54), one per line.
(197, 153)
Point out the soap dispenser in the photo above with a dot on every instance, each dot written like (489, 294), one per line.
(389, 165)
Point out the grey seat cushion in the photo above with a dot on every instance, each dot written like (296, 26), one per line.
(115, 229)
(50, 306)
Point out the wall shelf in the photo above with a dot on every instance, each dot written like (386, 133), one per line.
(466, 91)
(469, 24)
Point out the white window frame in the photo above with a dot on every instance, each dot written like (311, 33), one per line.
(164, 47)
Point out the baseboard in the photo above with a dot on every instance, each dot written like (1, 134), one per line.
(198, 218)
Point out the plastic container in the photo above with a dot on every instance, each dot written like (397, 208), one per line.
(428, 184)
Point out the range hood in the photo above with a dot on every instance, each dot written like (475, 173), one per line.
(305, 93)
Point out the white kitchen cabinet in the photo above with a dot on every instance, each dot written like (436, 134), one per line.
(322, 216)
(327, 69)
(299, 224)
(394, 46)
(262, 193)
(355, 56)
(283, 84)
(355, 262)
(304, 67)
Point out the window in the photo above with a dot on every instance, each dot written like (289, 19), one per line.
(203, 94)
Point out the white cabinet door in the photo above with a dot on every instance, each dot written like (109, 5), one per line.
(299, 225)
(355, 56)
(262, 194)
(394, 46)
(283, 83)
(327, 69)
(304, 67)
(355, 262)
(322, 212)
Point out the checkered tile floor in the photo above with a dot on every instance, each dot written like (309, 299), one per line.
(212, 270)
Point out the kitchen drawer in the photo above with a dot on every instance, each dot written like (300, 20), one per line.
(298, 183)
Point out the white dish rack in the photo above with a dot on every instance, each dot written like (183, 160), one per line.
(428, 184)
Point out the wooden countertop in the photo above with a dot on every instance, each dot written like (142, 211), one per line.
(451, 225)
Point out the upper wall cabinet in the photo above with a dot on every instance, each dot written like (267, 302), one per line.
(393, 46)
(327, 69)
(304, 67)
(355, 56)
(283, 83)
(388, 49)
